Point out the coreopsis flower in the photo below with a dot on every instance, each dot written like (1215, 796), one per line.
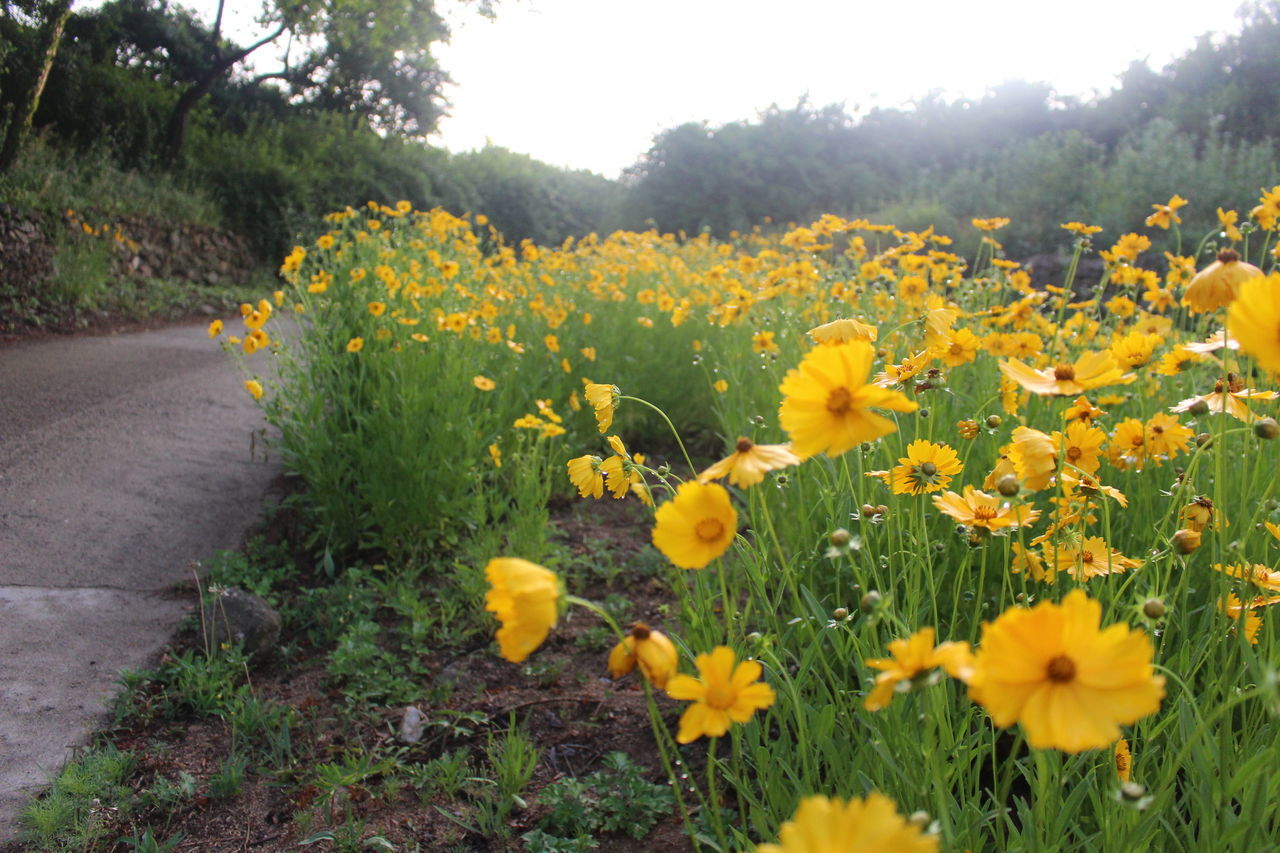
(1227, 220)
(1166, 436)
(355, 345)
(969, 429)
(215, 328)
(995, 223)
(1232, 607)
(1273, 529)
(584, 472)
(603, 399)
(1129, 445)
(1025, 561)
(927, 467)
(1069, 682)
(904, 371)
(254, 388)
(1254, 320)
(1127, 248)
(1083, 411)
(843, 331)
(1034, 457)
(762, 343)
(749, 462)
(724, 692)
(1091, 558)
(957, 347)
(484, 383)
(696, 526)
(526, 599)
(1091, 370)
(1134, 349)
(1228, 397)
(652, 650)
(377, 309)
(1123, 760)
(1080, 446)
(619, 470)
(1267, 213)
(827, 404)
(872, 825)
(1166, 214)
(1219, 283)
(980, 510)
(1176, 361)
(1080, 229)
(914, 662)
(1255, 573)
(1075, 483)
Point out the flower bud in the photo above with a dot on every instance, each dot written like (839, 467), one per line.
(1204, 440)
(840, 614)
(652, 650)
(1153, 608)
(994, 421)
(1266, 428)
(1009, 485)
(1186, 541)
(840, 537)
(870, 601)
(1198, 408)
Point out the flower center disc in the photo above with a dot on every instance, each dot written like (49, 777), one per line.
(839, 400)
(720, 696)
(1061, 669)
(1064, 372)
(709, 529)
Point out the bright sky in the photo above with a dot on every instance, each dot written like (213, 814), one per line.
(589, 83)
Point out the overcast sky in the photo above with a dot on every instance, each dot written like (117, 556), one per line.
(589, 83)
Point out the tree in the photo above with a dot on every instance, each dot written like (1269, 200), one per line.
(54, 16)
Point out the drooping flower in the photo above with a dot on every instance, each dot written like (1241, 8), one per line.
(914, 661)
(619, 470)
(724, 692)
(749, 462)
(584, 472)
(843, 331)
(827, 404)
(603, 399)
(1069, 682)
(1034, 457)
(1254, 320)
(927, 467)
(1219, 283)
(526, 599)
(652, 650)
(872, 825)
(1082, 410)
(696, 526)
(1091, 370)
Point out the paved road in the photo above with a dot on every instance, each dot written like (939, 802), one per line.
(122, 459)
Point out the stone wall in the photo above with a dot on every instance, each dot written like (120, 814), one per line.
(141, 248)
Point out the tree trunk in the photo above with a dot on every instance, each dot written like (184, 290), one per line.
(20, 124)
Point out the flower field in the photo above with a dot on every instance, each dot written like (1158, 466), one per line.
(958, 560)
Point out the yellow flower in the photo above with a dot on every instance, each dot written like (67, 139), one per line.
(696, 526)
(1092, 558)
(1227, 397)
(1080, 229)
(912, 664)
(927, 467)
(725, 691)
(651, 649)
(253, 387)
(1232, 607)
(902, 373)
(981, 510)
(1091, 370)
(872, 825)
(495, 453)
(1219, 283)
(1166, 214)
(484, 383)
(1069, 682)
(1254, 320)
(720, 385)
(1123, 759)
(377, 308)
(355, 345)
(584, 472)
(619, 471)
(843, 331)
(1034, 457)
(215, 328)
(1256, 573)
(1080, 445)
(993, 224)
(604, 400)
(826, 401)
(749, 462)
(1082, 410)
(1227, 219)
(762, 343)
(526, 599)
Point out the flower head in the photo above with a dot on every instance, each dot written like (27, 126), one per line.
(1254, 320)
(652, 650)
(585, 473)
(526, 599)
(749, 462)
(872, 825)
(604, 400)
(914, 659)
(981, 510)
(1091, 370)
(696, 526)
(725, 691)
(1219, 283)
(1069, 682)
(843, 331)
(927, 467)
(827, 404)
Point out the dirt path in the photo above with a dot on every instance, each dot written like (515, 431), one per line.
(122, 459)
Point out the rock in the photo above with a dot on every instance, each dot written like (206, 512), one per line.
(411, 725)
(242, 618)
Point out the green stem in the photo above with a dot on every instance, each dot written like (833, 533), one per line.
(670, 425)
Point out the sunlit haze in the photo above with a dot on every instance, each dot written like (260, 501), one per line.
(589, 83)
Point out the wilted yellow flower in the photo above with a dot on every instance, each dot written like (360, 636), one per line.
(652, 650)
(749, 462)
(696, 526)
(827, 404)
(604, 401)
(724, 692)
(1232, 607)
(526, 599)
(1219, 283)
(584, 472)
(1070, 683)
(495, 454)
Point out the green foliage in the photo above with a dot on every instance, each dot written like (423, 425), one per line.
(81, 271)
(614, 799)
(72, 815)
